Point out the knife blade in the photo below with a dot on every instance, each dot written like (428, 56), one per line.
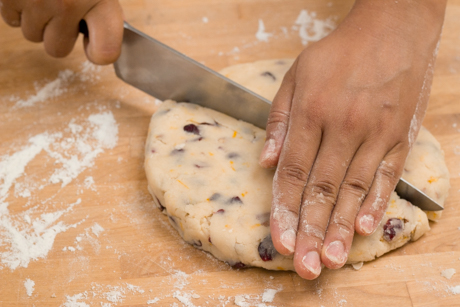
(165, 73)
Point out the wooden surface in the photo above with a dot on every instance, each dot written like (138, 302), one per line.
(138, 247)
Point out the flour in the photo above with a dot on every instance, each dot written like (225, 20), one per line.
(269, 295)
(312, 29)
(261, 35)
(454, 290)
(23, 238)
(50, 90)
(72, 301)
(448, 273)
(29, 285)
(97, 229)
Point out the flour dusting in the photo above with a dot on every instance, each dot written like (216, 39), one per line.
(261, 35)
(29, 235)
(29, 285)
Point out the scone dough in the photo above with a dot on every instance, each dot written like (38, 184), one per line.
(203, 172)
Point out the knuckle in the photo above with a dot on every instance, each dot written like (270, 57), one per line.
(294, 173)
(324, 188)
(343, 224)
(313, 230)
(388, 170)
(277, 117)
(356, 186)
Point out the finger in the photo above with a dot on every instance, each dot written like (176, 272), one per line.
(290, 178)
(11, 16)
(385, 180)
(319, 199)
(60, 35)
(353, 191)
(33, 24)
(278, 120)
(105, 26)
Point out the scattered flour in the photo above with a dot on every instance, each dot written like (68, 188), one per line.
(154, 301)
(269, 295)
(312, 29)
(261, 35)
(72, 301)
(29, 285)
(455, 290)
(205, 19)
(23, 238)
(448, 273)
(97, 229)
(50, 90)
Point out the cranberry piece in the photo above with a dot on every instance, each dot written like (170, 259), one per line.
(214, 197)
(209, 239)
(160, 206)
(235, 199)
(191, 128)
(239, 265)
(266, 249)
(232, 155)
(153, 150)
(391, 228)
(220, 211)
(268, 74)
(177, 151)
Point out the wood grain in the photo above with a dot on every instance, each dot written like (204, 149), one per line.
(138, 246)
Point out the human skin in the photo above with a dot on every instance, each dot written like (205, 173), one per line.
(340, 127)
(342, 124)
(56, 23)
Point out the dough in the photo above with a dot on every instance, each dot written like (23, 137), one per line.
(203, 173)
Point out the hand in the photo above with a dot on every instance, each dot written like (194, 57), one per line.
(56, 23)
(342, 124)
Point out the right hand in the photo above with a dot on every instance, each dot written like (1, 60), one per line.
(56, 23)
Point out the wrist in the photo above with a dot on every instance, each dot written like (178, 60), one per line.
(405, 22)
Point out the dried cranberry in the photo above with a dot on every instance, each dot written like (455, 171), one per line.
(220, 211)
(268, 74)
(232, 155)
(239, 265)
(235, 199)
(214, 197)
(191, 128)
(391, 228)
(177, 151)
(266, 249)
(209, 239)
(160, 206)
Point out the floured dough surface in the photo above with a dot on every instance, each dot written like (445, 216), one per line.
(202, 169)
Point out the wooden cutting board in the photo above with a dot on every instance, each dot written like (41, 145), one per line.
(113, 246)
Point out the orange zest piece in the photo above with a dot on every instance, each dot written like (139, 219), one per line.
(183, 184)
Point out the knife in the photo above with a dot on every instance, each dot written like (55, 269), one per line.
(165, 73)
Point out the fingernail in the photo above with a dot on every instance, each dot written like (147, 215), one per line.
(335, 252)
(312, 263)
(367, 224)
(268, 152)
(288, 240)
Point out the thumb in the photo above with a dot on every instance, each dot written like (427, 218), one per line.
(105, 26)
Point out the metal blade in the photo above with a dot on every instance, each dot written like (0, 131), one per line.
(416, 197)
(165, 73)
